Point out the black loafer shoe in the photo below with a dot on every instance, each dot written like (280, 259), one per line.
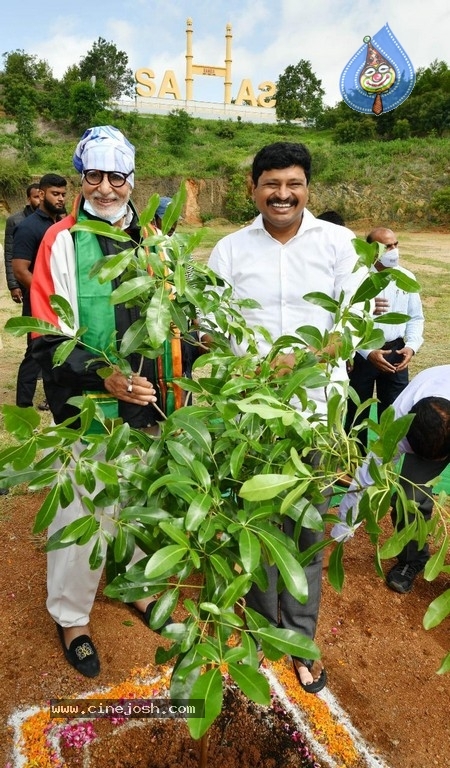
(81, 654)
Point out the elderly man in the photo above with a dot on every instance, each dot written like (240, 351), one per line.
(105, 160)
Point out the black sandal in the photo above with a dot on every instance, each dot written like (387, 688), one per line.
(81, 654)
(316, 685)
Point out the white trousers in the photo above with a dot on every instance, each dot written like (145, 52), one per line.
(71, 584)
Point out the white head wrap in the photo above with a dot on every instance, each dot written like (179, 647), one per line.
(104, 148)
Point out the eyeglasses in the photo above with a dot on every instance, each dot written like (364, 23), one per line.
(390, 246)
(115, 178)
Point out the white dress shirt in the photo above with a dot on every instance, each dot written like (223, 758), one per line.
(320, 257)
(406, 304)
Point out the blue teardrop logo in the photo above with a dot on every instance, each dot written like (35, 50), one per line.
(380, 75)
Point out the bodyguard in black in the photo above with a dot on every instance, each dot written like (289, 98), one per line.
(27, 238)
(11, 224)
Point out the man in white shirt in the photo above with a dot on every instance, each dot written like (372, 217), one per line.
(426, 451)
(386, 369)
(283, 255)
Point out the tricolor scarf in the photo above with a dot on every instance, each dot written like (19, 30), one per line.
(96, 314)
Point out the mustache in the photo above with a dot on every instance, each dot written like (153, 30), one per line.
(110, 196)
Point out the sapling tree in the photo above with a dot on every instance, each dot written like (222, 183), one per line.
(206, 499)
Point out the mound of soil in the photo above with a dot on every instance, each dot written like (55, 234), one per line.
(381, 665)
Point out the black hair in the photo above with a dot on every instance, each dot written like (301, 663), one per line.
(429, 433)
(52, 180)
(34, 185)
(332, 216)
(281, 154)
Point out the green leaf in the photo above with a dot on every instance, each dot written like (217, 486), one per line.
(114, 266)
(262, 487)
(437, 561)
(194, 427)
(207, 687)
(96, 556)
(174, 533)
(134, 337)
(322, 300)
(148, 214)
(63, 309)
(77, 528)
(47, 511)
(20, 422)
(164, 560)
(102, 228)
(221, 567)
(290, 570)
(64, 350)
(117, 442)
(237, 459)
(164, 607)
(437, 611)
(252, 683)
(19, 326)
(336, 568)
(288, 641)
(105, 473)
(445, 665)
(158, 318)
(249, 550)
(198, 509)
(129, 289)
(235, 591)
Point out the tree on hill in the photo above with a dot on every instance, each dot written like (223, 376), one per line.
(109, 66)
(24, 78)
(299, 93)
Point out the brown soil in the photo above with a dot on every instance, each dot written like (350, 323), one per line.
(381, 662)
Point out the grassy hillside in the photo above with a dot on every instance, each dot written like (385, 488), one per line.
(397, 181)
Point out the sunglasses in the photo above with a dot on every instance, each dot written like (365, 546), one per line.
(115, 178)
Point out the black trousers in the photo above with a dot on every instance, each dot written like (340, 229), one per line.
(29, 370)
(415, 473)
(365, 379)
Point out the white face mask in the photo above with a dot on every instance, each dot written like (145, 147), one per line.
(116, 216)
(390, 259)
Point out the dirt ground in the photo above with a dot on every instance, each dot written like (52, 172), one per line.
(381, 662)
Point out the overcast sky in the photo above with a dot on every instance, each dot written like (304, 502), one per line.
(267, 36)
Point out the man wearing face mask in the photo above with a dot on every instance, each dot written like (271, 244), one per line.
(386, 369)
(105, 160)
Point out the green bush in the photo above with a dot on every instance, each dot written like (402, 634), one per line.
(402, 129)
(239, 206)
(440, 201)
(14, 176)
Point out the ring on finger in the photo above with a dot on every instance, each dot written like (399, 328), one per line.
(130, 388)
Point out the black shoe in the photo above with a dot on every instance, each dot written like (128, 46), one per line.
(401, 577)
(44, 406)
(3, 491)
(147, 615)
(81, 653)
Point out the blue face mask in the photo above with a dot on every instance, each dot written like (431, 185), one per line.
(390, 259)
